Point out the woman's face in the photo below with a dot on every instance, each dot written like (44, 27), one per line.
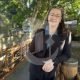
(54, 17)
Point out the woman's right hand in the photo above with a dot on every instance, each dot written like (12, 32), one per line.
(48, 66)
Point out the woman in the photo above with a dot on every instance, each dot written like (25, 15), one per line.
(56, 40)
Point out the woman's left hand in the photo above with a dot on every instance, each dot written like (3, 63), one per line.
(48, 66)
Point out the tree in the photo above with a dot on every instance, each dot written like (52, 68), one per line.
(18, 10)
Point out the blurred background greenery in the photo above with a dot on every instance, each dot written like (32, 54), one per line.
(14, 12)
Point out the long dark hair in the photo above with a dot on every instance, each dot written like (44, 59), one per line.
(62, 30)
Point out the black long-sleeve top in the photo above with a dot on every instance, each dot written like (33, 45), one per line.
(40, 46)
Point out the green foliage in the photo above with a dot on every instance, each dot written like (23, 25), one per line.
(18, 10)
(4, 20)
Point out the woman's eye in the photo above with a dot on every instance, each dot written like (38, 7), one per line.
(51, 15)
(57, 15)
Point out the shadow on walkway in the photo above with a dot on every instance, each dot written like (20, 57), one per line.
(21, 73)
